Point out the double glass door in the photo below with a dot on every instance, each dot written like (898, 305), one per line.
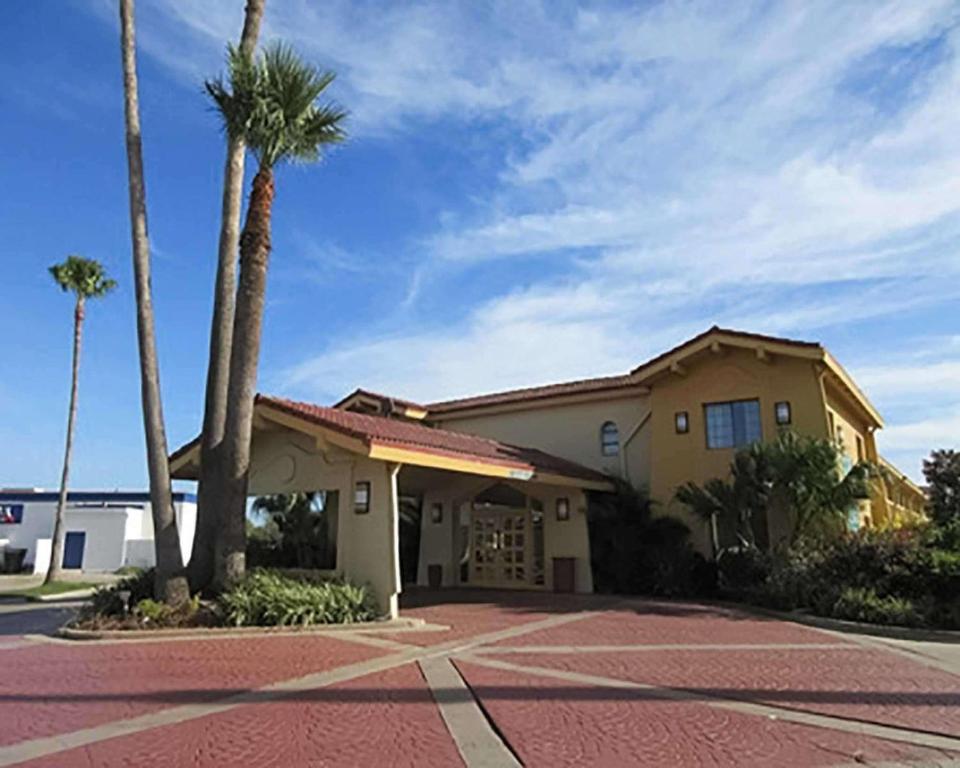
(498, 547)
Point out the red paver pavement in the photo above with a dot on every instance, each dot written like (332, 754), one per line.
(467, 613)
(557, 723)
(387, 718)
(55, 688)
(875, 686)
(653, 622)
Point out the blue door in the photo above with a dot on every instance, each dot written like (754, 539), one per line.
(73, 549)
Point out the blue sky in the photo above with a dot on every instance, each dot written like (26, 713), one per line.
(532, 192)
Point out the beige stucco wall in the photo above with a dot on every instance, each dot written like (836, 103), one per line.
(571, 431)
(285, 461)
(440, 543)
(736, 374)
(567, 538)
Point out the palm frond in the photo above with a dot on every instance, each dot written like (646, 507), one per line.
(271, 103)
(86, 278)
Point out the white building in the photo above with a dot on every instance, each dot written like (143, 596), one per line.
(104, 530)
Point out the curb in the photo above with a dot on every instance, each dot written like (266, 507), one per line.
(76, 594)
(71, 633)
(890, 631)
(893, 632)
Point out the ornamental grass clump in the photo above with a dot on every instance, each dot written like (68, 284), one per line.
(267, 598)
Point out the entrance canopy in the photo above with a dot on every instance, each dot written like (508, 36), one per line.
(300, 446)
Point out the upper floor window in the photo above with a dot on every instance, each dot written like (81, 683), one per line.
(733, 424)
(609, 439)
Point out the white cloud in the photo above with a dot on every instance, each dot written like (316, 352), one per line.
(768, 166)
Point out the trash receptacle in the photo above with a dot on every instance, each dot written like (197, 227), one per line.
(564, 574)
(13, 560)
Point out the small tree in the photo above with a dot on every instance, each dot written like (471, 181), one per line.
(634, 551)
(85, 279)
(794, 475)
(805, 477)
(942, 472)
(731, 507)
(301, 521)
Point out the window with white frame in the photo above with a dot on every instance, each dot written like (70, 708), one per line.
(11, 514)
(733, 424)
(609, 439)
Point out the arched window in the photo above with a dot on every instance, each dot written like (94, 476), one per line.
(609, 439)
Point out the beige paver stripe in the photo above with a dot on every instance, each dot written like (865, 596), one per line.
(29, 750)
(478, 743)
(574, 649)
(49, 745)
(887, 732)
(10, 645)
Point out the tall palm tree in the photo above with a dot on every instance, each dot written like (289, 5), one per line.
(270, 102)
(86, 279)
(171, 579)
(200, 568)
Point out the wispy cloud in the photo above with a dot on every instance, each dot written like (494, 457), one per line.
(783, 167)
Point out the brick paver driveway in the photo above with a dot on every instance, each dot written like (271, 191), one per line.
(490, 679)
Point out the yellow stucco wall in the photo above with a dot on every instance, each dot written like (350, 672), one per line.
(736, 374)
(849, 429)
(571, 431)
(285, 461)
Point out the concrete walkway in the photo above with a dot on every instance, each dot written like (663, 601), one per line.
(492, 680)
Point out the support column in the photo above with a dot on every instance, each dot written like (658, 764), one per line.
(393, 601)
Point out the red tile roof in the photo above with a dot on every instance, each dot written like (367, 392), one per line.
(582, 386)
(397, 433)
(379, 430)
(600, 384)
(377, 396)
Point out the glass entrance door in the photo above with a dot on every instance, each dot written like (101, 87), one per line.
(499, 542)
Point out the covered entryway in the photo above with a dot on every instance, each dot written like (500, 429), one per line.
(492, 514)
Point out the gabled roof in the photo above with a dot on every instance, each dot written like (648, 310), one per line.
(386, 403)
(407, 442)
(728, 334)
(527, 394)
(645, 374)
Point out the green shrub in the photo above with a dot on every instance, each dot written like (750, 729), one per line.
(858, 604)
(743, 568)
(267, 598)
(633, 551)
(152, 613)
(107, 601)
(887, 577)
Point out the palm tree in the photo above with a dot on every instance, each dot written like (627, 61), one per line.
(799, 477)
(302, 522)
(807, 479)
(200, 569)
(86, 279)
(271, 103)
(170, 581)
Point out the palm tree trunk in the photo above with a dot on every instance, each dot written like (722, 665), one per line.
(171, 582)
(209, 490)
(244, 356)
(56, 550)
